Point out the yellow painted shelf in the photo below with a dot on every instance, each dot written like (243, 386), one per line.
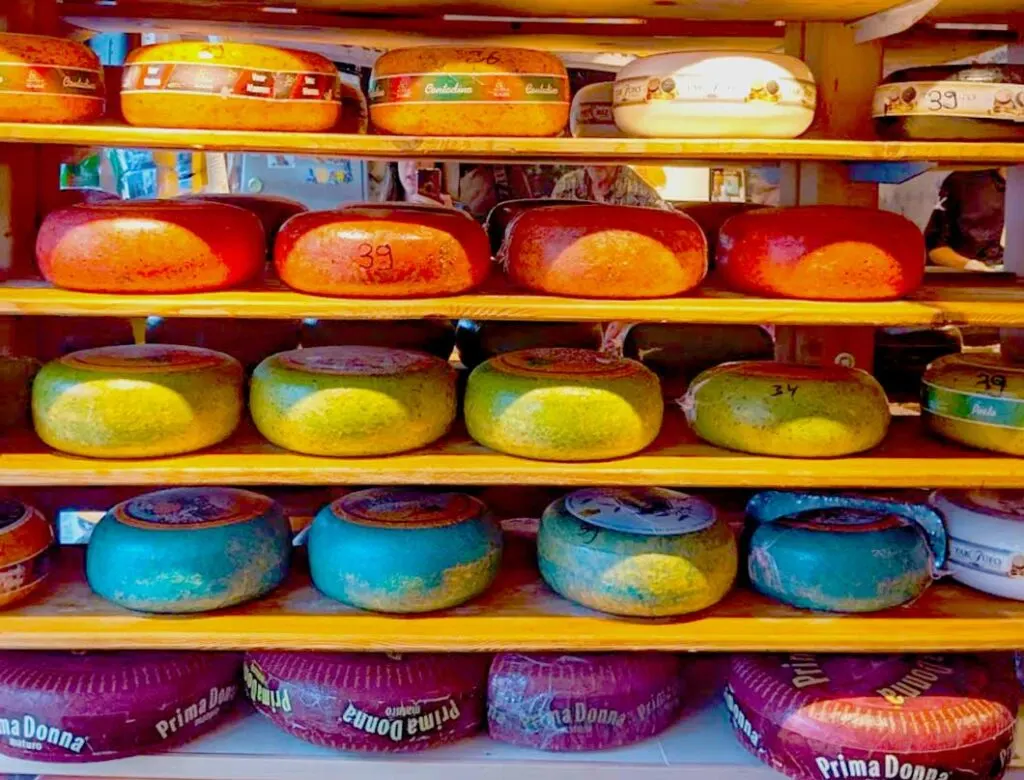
(908, 458)
(945, 300)
(519, 613)
(520, 150)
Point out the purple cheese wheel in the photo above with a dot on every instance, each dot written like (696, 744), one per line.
(592, 701)
(81, 707)
(370, 702)
(915, 717)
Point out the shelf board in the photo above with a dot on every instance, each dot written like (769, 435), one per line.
(944, 300)
(520, 150)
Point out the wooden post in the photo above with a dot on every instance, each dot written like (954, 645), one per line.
(1013, 254)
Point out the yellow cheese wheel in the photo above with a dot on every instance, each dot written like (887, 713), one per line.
(137, 401)
(230, 86)
(48, 80)
(460, 91)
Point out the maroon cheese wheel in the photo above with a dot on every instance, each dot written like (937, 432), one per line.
(580, 702)
(59, 336)
(501, 216)
(844, 253)
(819, 717)
(272, 210)
(380, 251)
(370, 702)
(150, 247)
(81, 707)
(711, 216)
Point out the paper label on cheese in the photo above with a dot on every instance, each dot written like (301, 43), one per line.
(192, 508)
(646, 511)
(596, 114)
(50, 80)
(231, 82)
(24, 574)
(985, 558)
(699, 88)
(468, 88)
(968, 99)
(983, 409)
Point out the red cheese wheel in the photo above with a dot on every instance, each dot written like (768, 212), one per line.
(844, 253)
(501, 216)
(150, 247)
(379, 251)
(601, 251)
(81, 707)
(819, 717)
(272, 210)
(370, 702)
(580, 702)
(48, 80)
(711, 217)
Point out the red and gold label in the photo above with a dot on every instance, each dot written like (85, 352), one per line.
(384, 508)
(355, 361)
(468, 88)
(231, 82)
(145, 358)
(22, 79)
(562, 361)
(179, 508)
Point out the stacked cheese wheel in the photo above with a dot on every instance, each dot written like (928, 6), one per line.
(48, 80)
(26, 538)
(591, 114)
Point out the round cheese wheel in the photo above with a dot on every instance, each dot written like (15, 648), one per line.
(563, 404)
(832, 717)
(787, 410)
(647, 552)
(707, 94)
(581, 702)
(16, 375)
(82, 707)
(711, 216)
(381, 251)
(426, 335)
(355, 111)
(137, 401)
(247, 341)
(460, 91)
(150, 247)
(370, 702)
(602, 251)
(952, 102)
(273, 211)
(986, 538)
(480, 340)
(590, 115)
(822, 252)
(977, 400)
(48, 80)
(501, 216)
(189, 550)
(230, 86)
(26, 541)
(352, 400)
(400, 550)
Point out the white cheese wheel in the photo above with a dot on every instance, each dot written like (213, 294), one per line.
(716, 95)
(591, 113)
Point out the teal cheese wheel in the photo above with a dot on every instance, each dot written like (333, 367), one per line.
(189, 550)
(401, 550)
(644, 552)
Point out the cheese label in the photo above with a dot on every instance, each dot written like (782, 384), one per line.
(842, 520)
(231, 82)
(24, 574)
(702, 88)
(20, 79)
(998, 412)
(563, 361)
(355, 361)
(645, 511)
(388, 508)
(468, 88)
(968, 99)
(192, 508)
(596, 114)
(986, 558)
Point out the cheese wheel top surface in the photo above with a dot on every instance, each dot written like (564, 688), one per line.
(642, 511)
(406, 508)
(460, 59)
(193, 508)
(556, 363)
(356, 361)
(134, 359)
(44, 79)
(245, 55)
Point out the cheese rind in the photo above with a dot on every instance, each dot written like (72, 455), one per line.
(591, 114)
(26, 543)
(45, 79)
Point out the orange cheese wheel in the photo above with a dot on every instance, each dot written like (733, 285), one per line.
(273, 210)
(230, 86)
(460, 91)
(48, 80)
(386, 250)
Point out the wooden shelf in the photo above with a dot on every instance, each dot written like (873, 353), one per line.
(944, 300)
(519, 150)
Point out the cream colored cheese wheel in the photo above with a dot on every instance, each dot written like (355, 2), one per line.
(137, 401)
(715, 95)
(591, 113)
(352, 400)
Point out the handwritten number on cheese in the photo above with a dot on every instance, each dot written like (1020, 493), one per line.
(477, 56)
(939, 100)
(379, 257)
(992, 382)
(781, 390)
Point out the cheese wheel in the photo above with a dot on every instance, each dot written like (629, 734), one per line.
(400, 550)
(585, 701)
(48, 80)
(1011, 344)
(480, 340)
(977, 400)
(711, 216)
(346, 401)
(137, 401)
(370, 702)
(272, 210)
(382, 251)
(986, 538)
(645, 552)
(460, 91)
(230, 86)
(843, 253)
(826, 717)
(150, 247)
(787, 410)
(501, 216)
(189, 550)
(952, 102)
(26, 542)
(707, 94)
(590, 115)
(563, 404)
(16, 375)
(426, 335)
(82, 707)
(247, 341)
(601, 251)
(354, 116)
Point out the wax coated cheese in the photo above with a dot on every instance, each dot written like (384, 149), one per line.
(26, 542)
(48, 80)
(591, 113)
